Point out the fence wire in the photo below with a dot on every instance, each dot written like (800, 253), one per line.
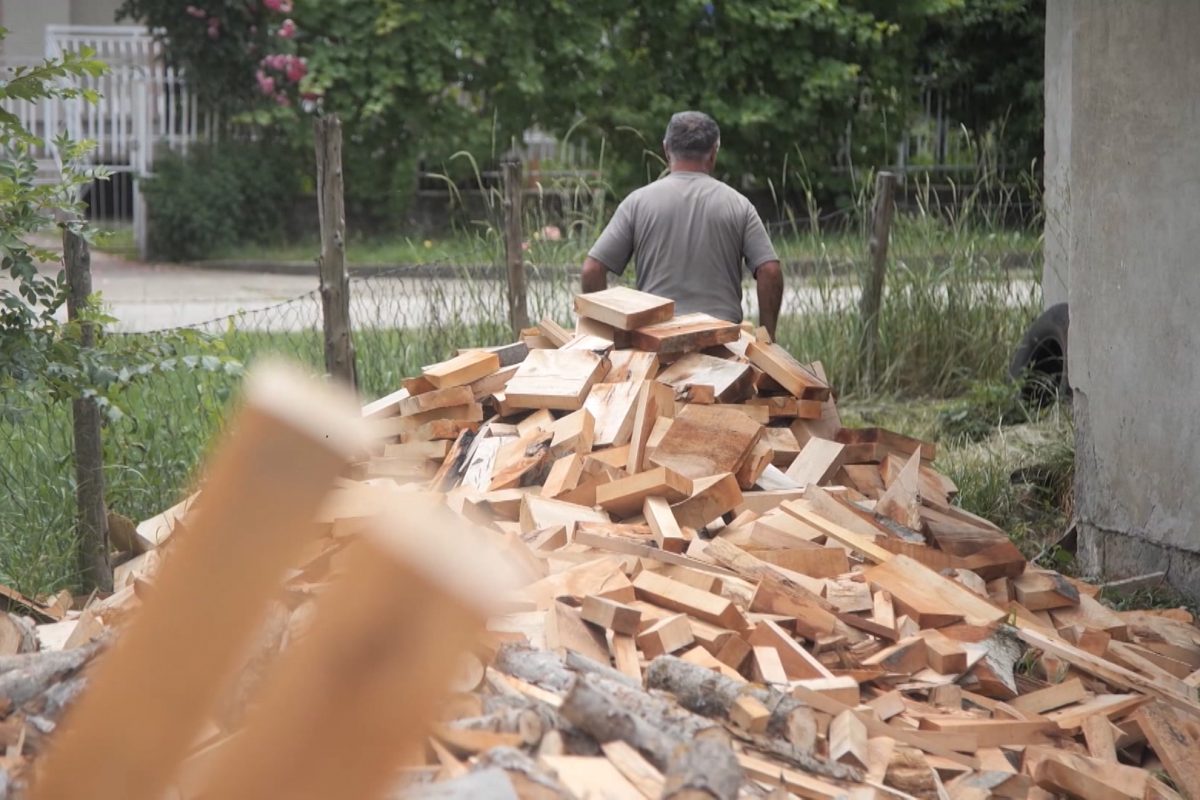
(942, 324)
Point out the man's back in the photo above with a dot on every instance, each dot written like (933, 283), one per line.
(689, 234)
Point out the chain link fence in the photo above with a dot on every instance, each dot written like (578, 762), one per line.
(944, 322)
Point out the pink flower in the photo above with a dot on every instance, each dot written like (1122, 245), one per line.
(296, 68)
(282, 99)
(214, 27)
(266, 84)
(551, 233)
(287, 30)
(276, 61)
(272, 5)
(285, 6)
(198, 13)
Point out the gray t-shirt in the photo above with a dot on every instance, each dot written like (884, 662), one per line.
(690, 235)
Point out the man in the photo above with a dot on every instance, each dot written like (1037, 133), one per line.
(690, 234)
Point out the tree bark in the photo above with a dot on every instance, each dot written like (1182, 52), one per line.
(37, 671)
(711, 694)
(94, 567)
(331, 266)
(704, 769)
(872, 295)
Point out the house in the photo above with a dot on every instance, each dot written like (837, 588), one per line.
(145, 104)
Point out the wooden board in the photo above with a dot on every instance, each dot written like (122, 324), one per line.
(684, 334)
(265, 484)
(663, 525)
(706, 440)
(785, 407)
(711, 497)
(816, 463)
(624, 308)
(784, 446)
(928, 597)
(887, 441)
(625, 497)
(678, 596)
(554, 379)
(612, 406)
(462, 369)
(653, 400)
(787, 371)
(730, 381)
(1176, 741)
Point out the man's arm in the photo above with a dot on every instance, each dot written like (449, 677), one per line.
(595, 275)
(612, 251)
(769, 277)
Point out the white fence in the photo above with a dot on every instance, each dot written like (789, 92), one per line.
(144, 104)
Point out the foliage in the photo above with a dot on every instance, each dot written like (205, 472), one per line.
(986, 57)
(28, 206)
(218, 195)
(418, 80)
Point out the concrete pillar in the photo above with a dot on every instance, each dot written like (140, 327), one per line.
(1123, 124)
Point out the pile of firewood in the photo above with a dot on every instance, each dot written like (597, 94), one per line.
(721, 592)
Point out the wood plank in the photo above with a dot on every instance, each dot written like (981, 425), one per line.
(554, 379)
(1099, 735)
(613, 405)
(610, 614)
(706, 440)
(1039, 590)
(1054, 696)
(462, 369)
(685, 333)
(636, 769)
(729, 381)
(901, 501)
(711, 497)
(665, 636)
(626, 497)
(749, 714)
(624, 308)
(766, 666)
(785, 370)
(1176, 741)
(678, 596)
(542, 512)
(784, 446)
(814, 561)
(625, 656)
(653, 400)
(928, 597)
(574, 433)
(993, 732)
(797, 663)
(787, 407)
(861, 544)
(265, 484)
(848, 740)
(438, 398)
(631, 365)
(557, 334)
(1080, 776)
(841, 688)
(817, 462)
(583, 774)
(663, 525)
(887, 441)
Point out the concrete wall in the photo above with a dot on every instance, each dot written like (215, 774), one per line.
(26, 21)
(1123, 119)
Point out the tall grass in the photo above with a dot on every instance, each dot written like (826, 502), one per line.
(953, 308)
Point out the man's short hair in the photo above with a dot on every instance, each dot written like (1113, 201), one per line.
(691, 135)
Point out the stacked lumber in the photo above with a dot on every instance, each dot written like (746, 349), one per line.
(722, 591)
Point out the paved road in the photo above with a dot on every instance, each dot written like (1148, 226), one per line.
(146, 297)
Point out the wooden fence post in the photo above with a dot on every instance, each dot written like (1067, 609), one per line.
(92, 516)
(872, 292)
(331, 266)
(518, 309)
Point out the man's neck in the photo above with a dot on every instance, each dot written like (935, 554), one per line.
(689, 166)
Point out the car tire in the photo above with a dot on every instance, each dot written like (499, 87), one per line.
(1040, 361)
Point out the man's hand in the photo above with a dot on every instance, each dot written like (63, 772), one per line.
(769, 277)
(595, 275)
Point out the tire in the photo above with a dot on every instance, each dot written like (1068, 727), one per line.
(1040, 361)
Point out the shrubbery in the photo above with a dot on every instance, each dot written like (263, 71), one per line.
(217, 196)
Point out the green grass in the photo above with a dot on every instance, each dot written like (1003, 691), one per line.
(843, 248)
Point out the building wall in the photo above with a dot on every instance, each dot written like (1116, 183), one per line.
(1124, 99)
(26, 21)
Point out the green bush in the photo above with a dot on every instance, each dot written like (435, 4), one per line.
(220, 195)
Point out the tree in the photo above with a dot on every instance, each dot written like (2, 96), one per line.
(986, 57)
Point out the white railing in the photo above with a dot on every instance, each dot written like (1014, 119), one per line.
(143, 104)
